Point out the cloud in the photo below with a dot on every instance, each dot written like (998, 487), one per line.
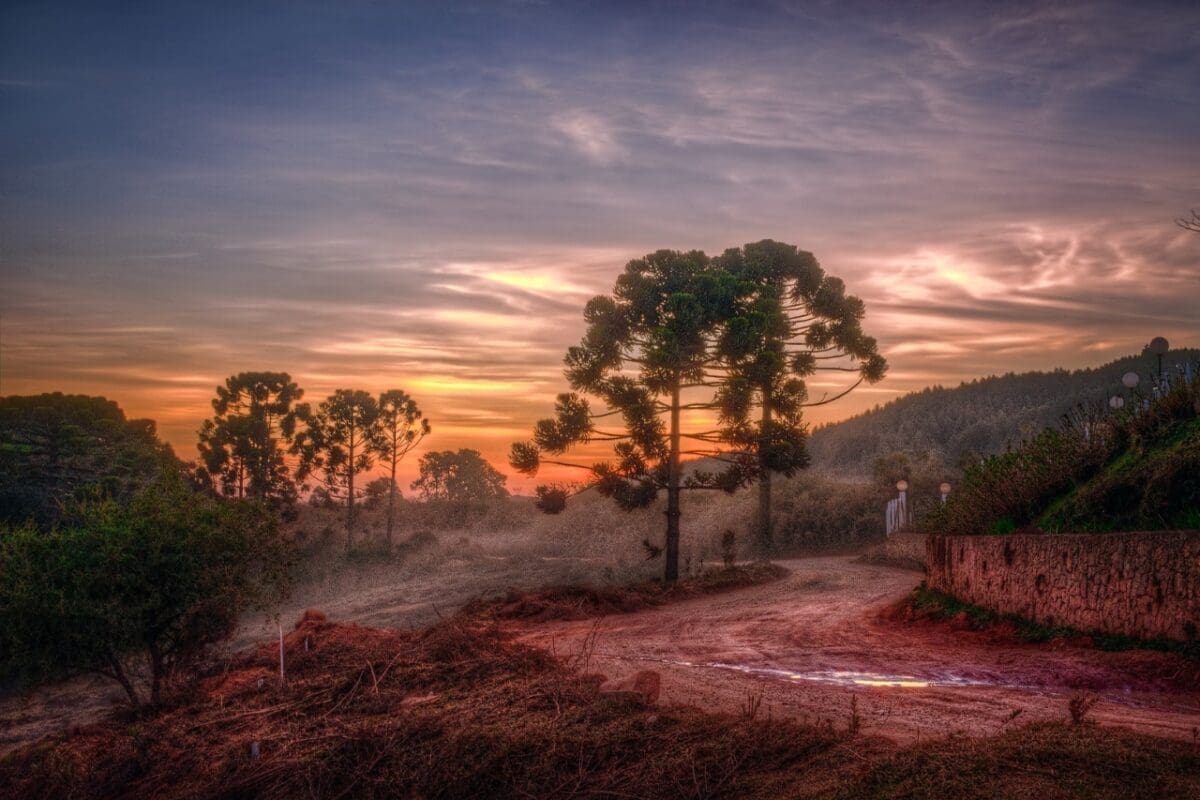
(590, 134)
(429, 200)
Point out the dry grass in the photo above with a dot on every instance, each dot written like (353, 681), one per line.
(1041, 761)
(459, 710)
(454, 711)
(585, 602)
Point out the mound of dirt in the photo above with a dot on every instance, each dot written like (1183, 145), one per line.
(586, 602)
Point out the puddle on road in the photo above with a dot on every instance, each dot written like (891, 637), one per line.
(843, 677)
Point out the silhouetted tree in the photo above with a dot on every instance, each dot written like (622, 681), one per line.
(646, 348)
(401, 429)
(459, 477)
(378, 491)
(1191, 223)
(339, 441)
(57, 447)
(243, 446)
(794, 321)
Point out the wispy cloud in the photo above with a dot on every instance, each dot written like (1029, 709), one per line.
(390, 197)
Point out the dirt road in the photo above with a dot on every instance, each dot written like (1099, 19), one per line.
(810, 642)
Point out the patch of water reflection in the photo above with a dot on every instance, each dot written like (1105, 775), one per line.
(844, 677)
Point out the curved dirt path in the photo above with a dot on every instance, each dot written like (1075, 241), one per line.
(808, 643)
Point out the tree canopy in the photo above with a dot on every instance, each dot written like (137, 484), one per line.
(243, 446)
(795, 321)
(57, 447)
(338, 442)
(718, 340)
(161, 576)
(459, 477)
(647, 345)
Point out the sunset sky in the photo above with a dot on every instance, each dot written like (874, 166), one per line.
(375, 195)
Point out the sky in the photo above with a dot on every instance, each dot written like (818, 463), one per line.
(423, 196)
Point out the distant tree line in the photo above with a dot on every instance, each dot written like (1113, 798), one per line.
(58, 448)
(955, 427)
(263, 442)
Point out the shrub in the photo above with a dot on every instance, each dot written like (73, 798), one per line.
(162, 576)
(728, 548)
(552, 499)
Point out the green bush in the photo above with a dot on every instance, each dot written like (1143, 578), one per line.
(160, 577)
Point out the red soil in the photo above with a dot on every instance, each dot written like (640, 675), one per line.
(828, 631)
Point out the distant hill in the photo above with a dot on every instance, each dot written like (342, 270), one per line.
(982, 416)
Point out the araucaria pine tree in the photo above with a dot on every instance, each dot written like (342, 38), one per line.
(401, 429)
(339, 442)
(795, 322)
(243, 446)
(644, 356)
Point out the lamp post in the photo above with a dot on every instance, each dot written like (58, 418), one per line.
(1159, 347)
(902, 506)
(945, 490)
(1116, 402)
(1130, 380)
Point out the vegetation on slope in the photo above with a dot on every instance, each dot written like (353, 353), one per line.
(1101, 469)
(978, 418)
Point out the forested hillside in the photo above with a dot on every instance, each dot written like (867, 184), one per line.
(980, 417)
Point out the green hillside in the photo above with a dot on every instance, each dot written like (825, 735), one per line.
(1137, 468)
(1152, 483)
(981, 417)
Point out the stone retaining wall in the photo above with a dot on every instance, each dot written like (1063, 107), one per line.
(900, 549)
(1145, 585)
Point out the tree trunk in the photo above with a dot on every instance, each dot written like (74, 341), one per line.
(391, 499)
(156, 675)
(350, 499)
(671, 568)
(118, 674)
(765, 535)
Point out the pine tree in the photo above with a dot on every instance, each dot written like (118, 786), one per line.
(401, 429)
(644, 356)
(795, 321)
(339, 442)
(243, 446)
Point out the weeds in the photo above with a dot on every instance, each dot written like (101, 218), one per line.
(1079, 706)
(752, 705)
(932, 604)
